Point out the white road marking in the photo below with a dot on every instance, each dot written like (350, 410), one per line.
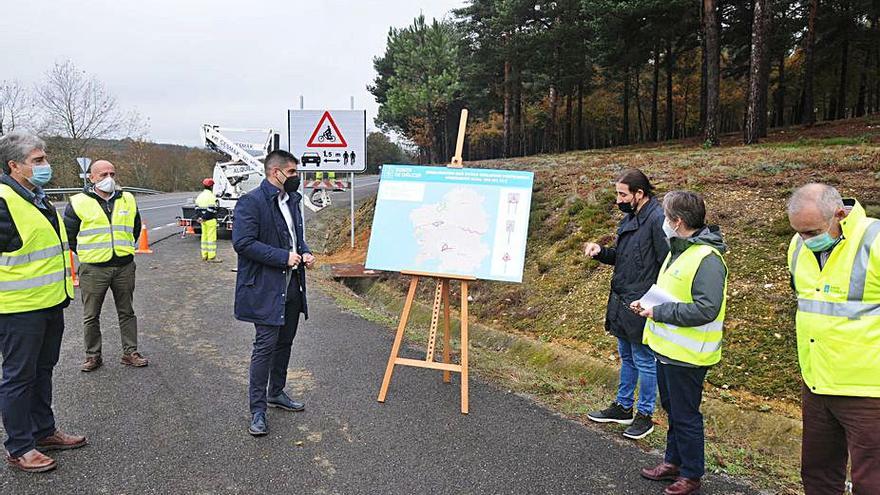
(160, 207)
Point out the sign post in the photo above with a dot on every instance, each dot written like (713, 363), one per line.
(84, 164)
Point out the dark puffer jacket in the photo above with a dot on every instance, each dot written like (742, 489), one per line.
(637, 256)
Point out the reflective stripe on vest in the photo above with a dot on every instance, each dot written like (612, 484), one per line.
(838, 314)
(37, 275)
(667, 332)
(40, 254)
(98, 240)
(700, 345)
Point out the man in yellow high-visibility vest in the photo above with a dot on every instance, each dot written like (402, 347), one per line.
(103, 225)
(206, 203)
(35, 287)
(834, 260)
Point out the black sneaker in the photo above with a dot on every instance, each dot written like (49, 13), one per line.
(640, 427)
(613, 414)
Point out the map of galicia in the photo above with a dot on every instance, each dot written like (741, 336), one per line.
(452, 222)
(452, 231)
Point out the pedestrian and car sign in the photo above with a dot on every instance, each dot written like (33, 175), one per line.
(331, 140)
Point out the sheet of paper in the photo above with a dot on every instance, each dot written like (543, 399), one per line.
(655, 296)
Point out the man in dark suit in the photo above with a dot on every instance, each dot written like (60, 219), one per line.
(270, 289)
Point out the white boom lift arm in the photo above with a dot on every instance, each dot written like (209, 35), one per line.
(242, 164)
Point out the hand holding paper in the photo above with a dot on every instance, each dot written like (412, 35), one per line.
(655, 296)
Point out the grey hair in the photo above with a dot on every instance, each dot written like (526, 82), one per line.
(687, 206)
(16, 146)
(822, 196)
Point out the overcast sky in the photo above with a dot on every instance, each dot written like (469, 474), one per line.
(182, 63)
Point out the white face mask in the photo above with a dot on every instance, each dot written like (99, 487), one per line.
(107, 184)
(668, 229)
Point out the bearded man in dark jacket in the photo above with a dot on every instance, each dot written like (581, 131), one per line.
(637, 256)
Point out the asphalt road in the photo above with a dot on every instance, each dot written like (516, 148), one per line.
(179, 425)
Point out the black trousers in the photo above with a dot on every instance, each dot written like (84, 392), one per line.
(681, 391)
(271, 353)
(31, 344)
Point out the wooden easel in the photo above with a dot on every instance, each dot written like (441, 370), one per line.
(441, 299)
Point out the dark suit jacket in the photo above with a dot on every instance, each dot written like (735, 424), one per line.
(260, 237)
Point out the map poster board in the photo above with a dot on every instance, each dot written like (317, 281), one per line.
(451, 222)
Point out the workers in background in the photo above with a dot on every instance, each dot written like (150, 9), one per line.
(685, 335)
(834, 259)
(35, 287)
(206, 212)
(103, 224)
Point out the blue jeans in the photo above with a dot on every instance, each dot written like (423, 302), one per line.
(637, 366)
(30, 344)
(681, 391)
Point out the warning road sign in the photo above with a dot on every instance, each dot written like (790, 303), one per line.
(326, 134)
(332, 140)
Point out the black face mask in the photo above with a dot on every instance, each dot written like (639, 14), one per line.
(291, 183)
(625, 207)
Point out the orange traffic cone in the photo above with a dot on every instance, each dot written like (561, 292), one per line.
(73, 271)
(190, 230)
(144, 243)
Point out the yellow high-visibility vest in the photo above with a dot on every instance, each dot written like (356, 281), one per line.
(700, 345)
(37, 275)
(206, 199)
(98, 237)
(838, 315)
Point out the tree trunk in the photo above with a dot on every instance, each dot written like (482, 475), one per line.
(551, 143)
(580, 115)
(703, 75)
(808, 105)
(670, 69)
(861, 105)
(713, 71)
(780, 92)
(765, 71)
(841, 90)
(757, 82)
(523, 135)
(639, 113)
(654, 90)
(515, 131)
(508, 111)
(626, 96)
(567, 141)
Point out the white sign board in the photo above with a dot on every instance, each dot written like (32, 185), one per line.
(329, 140)
(84, 163)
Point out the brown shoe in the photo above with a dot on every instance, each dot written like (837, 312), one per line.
(92, 363)
(661, 472)
(61, 441)
(134, 359)
(32, 462)
(683, 486)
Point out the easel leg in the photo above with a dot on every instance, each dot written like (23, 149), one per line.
(404, 316)
(447, 358)
(464, 347)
